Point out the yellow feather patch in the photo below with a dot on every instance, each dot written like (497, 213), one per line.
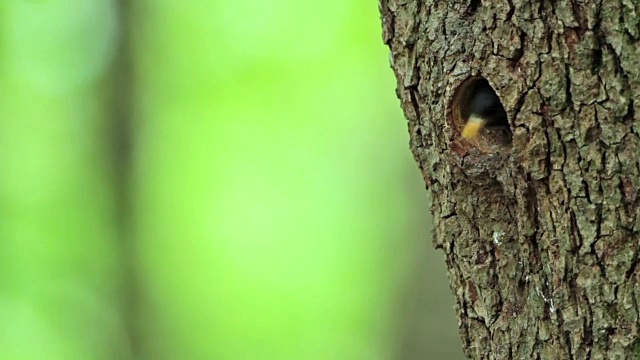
(473, 127)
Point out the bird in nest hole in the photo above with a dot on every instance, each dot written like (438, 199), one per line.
(485, 110)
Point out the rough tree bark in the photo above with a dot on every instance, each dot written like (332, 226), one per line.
(540, 228)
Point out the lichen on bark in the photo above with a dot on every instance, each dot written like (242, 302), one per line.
(540, 235)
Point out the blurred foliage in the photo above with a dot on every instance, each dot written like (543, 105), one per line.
(210, 180)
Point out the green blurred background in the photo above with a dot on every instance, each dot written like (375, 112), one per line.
(190, 179)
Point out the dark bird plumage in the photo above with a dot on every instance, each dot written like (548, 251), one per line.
(485, 110)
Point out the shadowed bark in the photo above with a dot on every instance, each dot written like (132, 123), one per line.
(540, 224)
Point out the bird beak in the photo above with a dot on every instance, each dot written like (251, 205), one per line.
(473, 127)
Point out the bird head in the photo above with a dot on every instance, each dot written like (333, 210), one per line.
(485, 110)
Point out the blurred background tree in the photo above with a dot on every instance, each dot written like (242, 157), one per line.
(210, 180)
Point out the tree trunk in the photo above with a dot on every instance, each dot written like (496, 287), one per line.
(540, 224)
